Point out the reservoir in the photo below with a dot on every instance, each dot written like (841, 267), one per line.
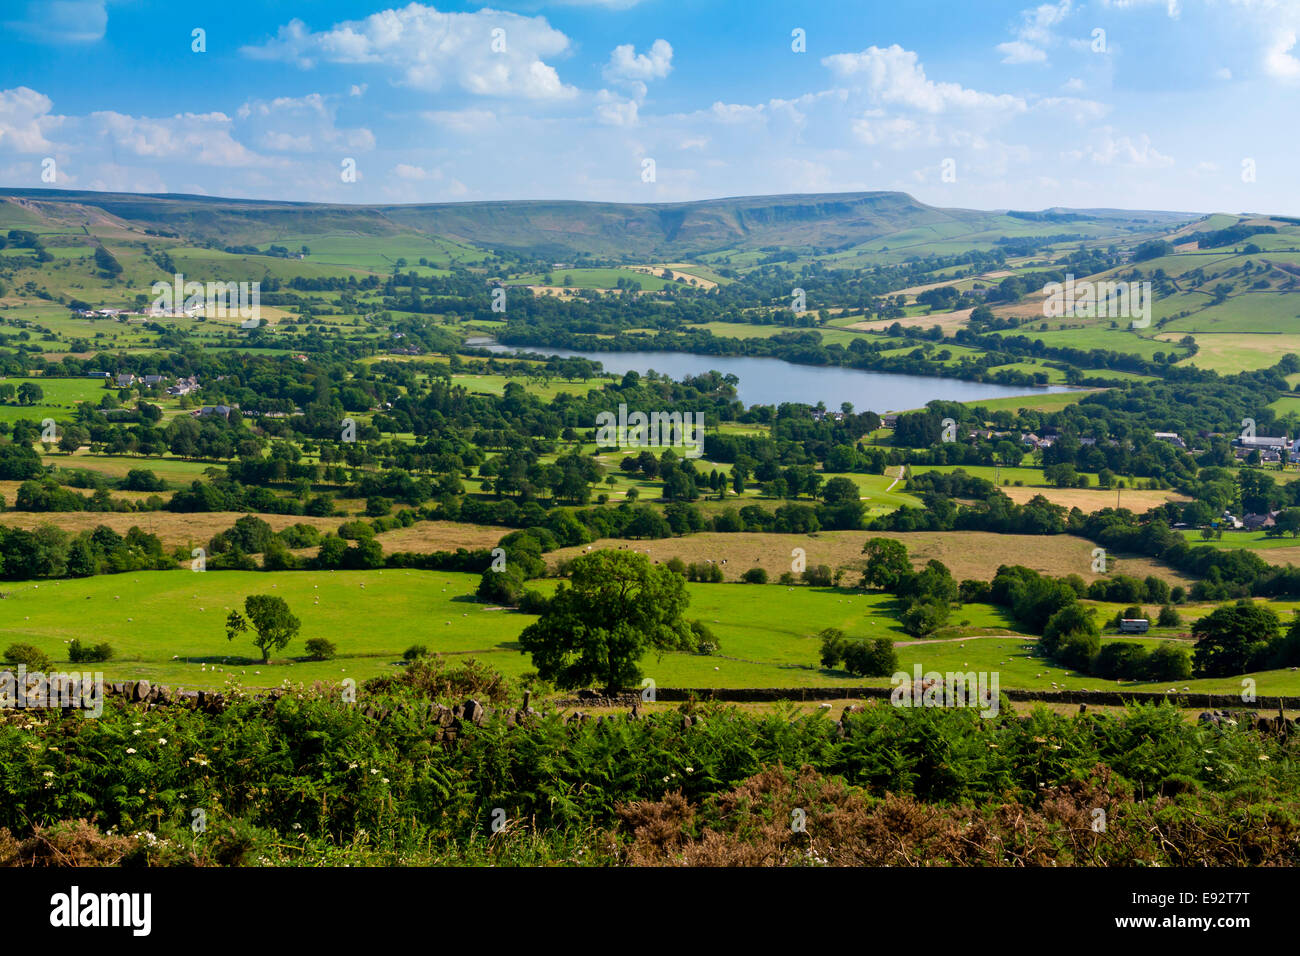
(771, 381)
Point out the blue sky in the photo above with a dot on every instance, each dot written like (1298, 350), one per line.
(1146, 104)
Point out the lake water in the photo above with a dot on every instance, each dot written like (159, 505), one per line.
(771, 381)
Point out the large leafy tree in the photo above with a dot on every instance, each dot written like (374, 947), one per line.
(887, 563)
(616, 606)
(1233, 639)
(274, 627)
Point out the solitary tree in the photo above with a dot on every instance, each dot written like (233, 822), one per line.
(269, 617)
(596, 628)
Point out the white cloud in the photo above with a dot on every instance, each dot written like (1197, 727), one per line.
(1035, 33)
(24, 116)
(300, 124)
(110, 177)
(1080, 111)
(895, 76)
(428, 49)
(894, 131)
(1107, 149)
(615, 110)
(202, 138)
(462, 121)
(62, 21)
(625, 64)
(1172, 7)
(1018, 51)
(1279, 60)
(416, 173)
(733, 113)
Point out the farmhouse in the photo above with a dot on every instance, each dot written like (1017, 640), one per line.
(1254, 522)
(208, 410)
(125, 380)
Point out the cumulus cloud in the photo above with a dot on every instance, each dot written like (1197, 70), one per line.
(202, 138)
(893, 131)
(1107, 149)
(625, 64)
(615, 110)
(895, 76)
(1279, 59)
(300, 124)
(24, 118)
(488, 53)
(1035, 33)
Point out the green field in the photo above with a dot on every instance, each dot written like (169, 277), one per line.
(61, 396)
(597, 279)
(168, 626)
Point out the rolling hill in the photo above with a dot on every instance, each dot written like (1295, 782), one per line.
(551, 228)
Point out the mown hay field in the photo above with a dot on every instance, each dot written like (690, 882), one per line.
(968, 554)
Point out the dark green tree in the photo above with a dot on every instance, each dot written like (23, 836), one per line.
(615, 607)
(268, 615)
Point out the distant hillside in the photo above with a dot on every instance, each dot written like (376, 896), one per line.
(555, 228)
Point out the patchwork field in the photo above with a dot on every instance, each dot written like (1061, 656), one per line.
(1230, 352)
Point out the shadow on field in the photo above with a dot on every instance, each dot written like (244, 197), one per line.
(227, 660)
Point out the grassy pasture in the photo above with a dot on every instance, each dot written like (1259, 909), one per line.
(1045, 402)
(488, 384)
(1230, 352)
(595, 279)
(168, 626)
(60, 401)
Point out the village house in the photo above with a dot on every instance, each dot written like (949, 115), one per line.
(209, 410)
(183, 386)
(1254, 522)
(125, 380)
(1172, 438)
